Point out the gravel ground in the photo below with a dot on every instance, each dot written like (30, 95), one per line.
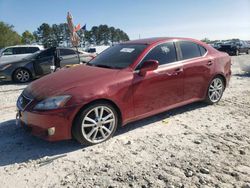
(193, 146)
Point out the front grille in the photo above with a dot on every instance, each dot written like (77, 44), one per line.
(23, 102)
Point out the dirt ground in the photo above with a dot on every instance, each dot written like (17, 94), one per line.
(197, 145)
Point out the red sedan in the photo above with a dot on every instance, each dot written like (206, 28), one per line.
(126, 82)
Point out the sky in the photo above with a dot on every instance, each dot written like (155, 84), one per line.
(213, 19)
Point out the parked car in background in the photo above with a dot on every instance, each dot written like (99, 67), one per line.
(127, 82)
(15, 53)
(97, 49)
(217, 45)
(235, 47)
(39, 64)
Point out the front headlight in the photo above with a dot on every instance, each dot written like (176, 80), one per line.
(5, 67)
(52, 103)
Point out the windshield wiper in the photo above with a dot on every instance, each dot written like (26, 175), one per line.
(104, 66)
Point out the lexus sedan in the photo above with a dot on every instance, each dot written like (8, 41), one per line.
(127, 82)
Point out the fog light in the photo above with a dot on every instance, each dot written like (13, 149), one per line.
(51, 131)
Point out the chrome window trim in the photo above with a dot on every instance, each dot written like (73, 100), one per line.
(172, 63)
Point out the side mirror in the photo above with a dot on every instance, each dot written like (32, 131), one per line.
(148, 65)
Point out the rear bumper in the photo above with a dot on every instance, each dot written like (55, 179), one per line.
(39, 123)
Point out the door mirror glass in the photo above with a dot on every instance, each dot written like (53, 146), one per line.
(148, 65)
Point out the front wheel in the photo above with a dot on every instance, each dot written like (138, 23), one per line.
(95, 124)
(215, 90)
(248, 51)
(21, 75)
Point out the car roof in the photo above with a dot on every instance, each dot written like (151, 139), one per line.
(149, 41)
(30, 45)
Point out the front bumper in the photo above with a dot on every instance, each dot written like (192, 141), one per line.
(39, 123)
(4, 76)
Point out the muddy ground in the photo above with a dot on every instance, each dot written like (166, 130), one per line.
(197, 145)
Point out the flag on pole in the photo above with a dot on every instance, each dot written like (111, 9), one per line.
(83, 28)
(77, 28)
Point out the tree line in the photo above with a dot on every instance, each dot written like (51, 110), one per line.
(59, 35)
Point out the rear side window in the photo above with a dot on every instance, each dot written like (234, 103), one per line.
(19, 50)
(163, 53)
(31, 50)
(92, 50)
(189, 50)
(202, 50)
(67, 52)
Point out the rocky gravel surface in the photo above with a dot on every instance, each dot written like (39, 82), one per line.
(197, 145)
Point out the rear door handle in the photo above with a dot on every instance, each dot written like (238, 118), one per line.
(209, 63)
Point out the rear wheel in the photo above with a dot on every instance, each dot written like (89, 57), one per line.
(21, 75)
(95, 124)
(215, 90)
(248, 51)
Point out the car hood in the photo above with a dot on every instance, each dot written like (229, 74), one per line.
(60, 82)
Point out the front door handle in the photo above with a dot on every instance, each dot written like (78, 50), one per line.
(176, 72)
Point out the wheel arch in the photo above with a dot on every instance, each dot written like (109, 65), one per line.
(99, 101)
(223, 78)
(25, 68)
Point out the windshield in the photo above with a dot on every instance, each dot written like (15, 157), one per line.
(32, 56)
(119, 56)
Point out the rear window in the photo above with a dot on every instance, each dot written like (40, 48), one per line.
(189, 50)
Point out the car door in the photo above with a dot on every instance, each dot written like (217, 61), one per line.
(43, 62)
(160, 88)
(198, 68)
(68, 57)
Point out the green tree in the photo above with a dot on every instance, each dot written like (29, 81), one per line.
(8, 36)
(44, 35)
(27, 37)
(103, 34)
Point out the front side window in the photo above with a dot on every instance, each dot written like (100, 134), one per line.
(189, 50)
(8, 51)
(119, 56)
(19, 50)
(163, 53)
(46, 53)
(67, 52)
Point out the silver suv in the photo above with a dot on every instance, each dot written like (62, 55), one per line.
(16, 53)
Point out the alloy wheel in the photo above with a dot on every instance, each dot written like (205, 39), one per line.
(215, 90)
(23, 76)
(98, 124)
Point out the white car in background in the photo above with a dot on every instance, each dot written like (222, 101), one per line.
(16, 53)
(97, 49)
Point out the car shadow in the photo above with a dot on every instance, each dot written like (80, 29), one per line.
(19, 146)
(243, 75)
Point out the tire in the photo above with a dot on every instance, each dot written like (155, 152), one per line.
(248, 51)
(21, 75)
(215, 90)
(89, 128)
(237, 53)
